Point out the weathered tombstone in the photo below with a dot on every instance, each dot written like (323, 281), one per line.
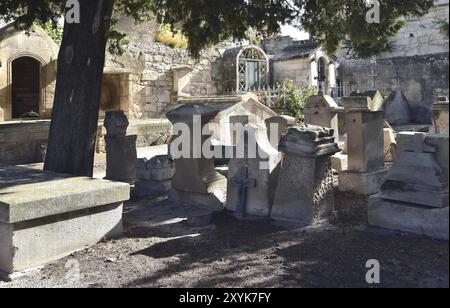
(376, 99)
(195, 181)
(440, 116)
(252, 178)
(365, 147)
(305, 192)
(278, 126)
(322, 110)
(154, 176)
(397, 109)
(414, 197)
(121, 152)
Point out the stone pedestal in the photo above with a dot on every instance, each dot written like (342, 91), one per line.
(45, 216)
(365, 147)
(121, 152)
(440, 116)
(278, 126)
(195, 181)
(414, 198)
(252, 178)
(154, 176)
(304, 194)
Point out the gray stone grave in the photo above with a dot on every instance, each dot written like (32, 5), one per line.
(121, 152)
(154, 176)
(305, 193)
(195, 181)
(45, 216)
(252, 179)
(440, 116)
(414, 197)
(365, 147)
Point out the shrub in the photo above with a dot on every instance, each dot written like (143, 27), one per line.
(167, 37)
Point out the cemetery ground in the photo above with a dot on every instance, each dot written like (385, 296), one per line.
(168, 245)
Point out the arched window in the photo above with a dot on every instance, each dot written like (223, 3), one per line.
(253, 68)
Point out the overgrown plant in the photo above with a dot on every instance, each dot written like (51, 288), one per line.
(296, 98)
(166, 36)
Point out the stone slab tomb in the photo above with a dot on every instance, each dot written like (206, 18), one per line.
(154, 176)
(440, 116)
(121, 154)
(365, 147)
(46, 216)
(414, 197)
(195, 181)
(305, 192)
(252, 175)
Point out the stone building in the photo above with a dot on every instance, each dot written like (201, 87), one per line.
(418, 64)
(303, 62)
(27, 72)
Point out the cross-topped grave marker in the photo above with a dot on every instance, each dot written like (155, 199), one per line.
(243, 182)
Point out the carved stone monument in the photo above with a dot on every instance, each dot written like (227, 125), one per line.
(154, 176)
(195, 181)
(304, 194)
(414, 197)
(121, 152)
(365, 147)
(252, 177)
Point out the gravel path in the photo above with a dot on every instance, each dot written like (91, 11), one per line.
(166, 245)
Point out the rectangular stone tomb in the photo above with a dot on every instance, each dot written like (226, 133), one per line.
(46, 216)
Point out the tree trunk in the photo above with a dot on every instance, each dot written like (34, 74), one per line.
(81, 60)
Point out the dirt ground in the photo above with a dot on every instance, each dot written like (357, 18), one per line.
(168, 245)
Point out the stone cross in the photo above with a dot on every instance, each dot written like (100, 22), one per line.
(244, 183)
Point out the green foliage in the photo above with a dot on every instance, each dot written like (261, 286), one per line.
(206, 22)
(295, 99)
(444, 27)
(54, 31)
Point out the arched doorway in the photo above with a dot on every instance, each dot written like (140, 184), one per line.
(25, 87)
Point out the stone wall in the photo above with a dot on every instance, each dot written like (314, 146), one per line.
(151, 67)
(418, 64)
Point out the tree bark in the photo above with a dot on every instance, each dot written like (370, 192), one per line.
(76, 106)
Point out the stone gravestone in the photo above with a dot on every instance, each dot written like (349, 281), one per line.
(322, 110)
(121, 152)
(196, 181)
(278, 126)
(440, 116)
(390, 144)
(365, 147)
(414, 197)
(305, 192)
(154, 176)
(397, 109)
(252, 178)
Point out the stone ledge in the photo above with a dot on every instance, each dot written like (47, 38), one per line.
(27, 194)
(431, 222)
